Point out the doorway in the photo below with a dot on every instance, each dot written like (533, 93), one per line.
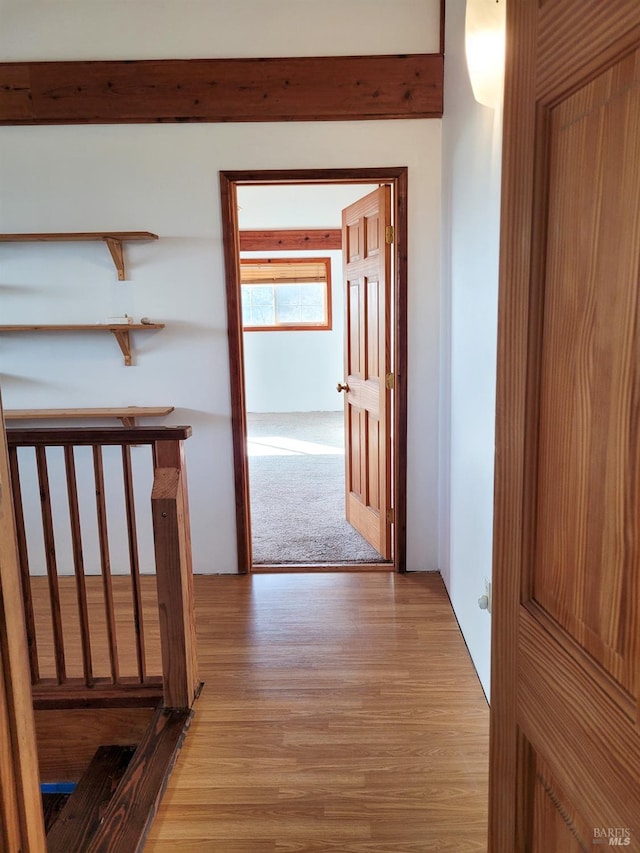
(232, 186)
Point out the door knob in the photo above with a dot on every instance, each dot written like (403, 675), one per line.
(340, 387)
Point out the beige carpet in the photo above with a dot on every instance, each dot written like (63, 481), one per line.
(296, 472)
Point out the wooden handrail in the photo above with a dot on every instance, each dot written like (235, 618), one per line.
(83, 436)
(170, 518)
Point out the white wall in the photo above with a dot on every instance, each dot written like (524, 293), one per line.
(470, 227)
(184, 29)
(297, 371)
(164, 178)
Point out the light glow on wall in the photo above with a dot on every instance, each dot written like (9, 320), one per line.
(484, 47)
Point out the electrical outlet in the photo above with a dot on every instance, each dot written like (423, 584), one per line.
(487, 592)
(484, 602)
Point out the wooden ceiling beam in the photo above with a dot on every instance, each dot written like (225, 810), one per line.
(328, 88)
(287, 239)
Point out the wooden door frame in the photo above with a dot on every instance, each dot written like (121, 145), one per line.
(397, 177)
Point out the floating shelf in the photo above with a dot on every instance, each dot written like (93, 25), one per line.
(125, 414)
(113, 239)
(119, 330)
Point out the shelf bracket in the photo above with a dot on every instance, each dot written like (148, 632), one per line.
(127, 421)
(124, 342)
(115, 247)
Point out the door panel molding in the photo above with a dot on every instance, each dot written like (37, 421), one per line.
(565, 713)
(367, 361)
(397, 177)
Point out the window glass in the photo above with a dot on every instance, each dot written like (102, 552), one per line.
(286, 294)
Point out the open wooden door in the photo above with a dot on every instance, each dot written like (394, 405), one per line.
(366, 251)
(565, 724)
(21, 821)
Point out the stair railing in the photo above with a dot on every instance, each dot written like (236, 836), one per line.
(89, 664)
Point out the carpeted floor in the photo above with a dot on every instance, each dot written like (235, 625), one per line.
(296, 471)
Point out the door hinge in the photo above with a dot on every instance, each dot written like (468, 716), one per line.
(389, 234)
(391, 516)
(389, 381)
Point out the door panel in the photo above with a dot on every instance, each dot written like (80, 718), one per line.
(367, 262)
(565, 735)
(589, 440)
(554, 829)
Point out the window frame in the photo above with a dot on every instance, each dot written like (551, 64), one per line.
(325, 261)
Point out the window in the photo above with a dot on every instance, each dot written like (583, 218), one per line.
(285, 294)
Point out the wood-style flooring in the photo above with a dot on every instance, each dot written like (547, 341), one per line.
(340, 712)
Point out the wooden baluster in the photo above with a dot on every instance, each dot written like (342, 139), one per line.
(23, 558)
(52, 568)
(78, 564)
(134, 561)
(105, 563)
(170, 512)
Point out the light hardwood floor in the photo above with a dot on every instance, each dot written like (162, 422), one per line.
(340, 712)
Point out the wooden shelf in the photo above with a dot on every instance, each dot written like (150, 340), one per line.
(113, 239)
(119, 330)
(125, 414)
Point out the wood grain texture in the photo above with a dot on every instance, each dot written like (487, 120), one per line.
(68, 739)
(366, 264)
(83, 436)
(603, 787)
(231, 245)
(21, 818)
(79, 327)
(75, 236)
(576, 34)
(75, 694)
(220, 90)
(518, 166)
(586, 541)
(340, 712)
(105, 563)
(113, 239)
(134, 562)
(561, 829)
(287, 240)
(103, 693)
(400, 343)
(175, 588)
(397, 177)
(565, 618)
(23, 560)
(82, 814)
(317, 729)
(128, 816)
(78, 565)
(126, 414)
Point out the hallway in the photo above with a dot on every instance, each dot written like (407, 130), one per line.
(340, 713)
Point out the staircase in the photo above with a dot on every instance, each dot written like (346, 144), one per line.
(113, 804)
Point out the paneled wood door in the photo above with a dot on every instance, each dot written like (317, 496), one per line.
(366, 252)
(565, 735)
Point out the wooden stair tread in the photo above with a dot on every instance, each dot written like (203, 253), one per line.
(128, 816)
(52, 805)
(82, 814)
